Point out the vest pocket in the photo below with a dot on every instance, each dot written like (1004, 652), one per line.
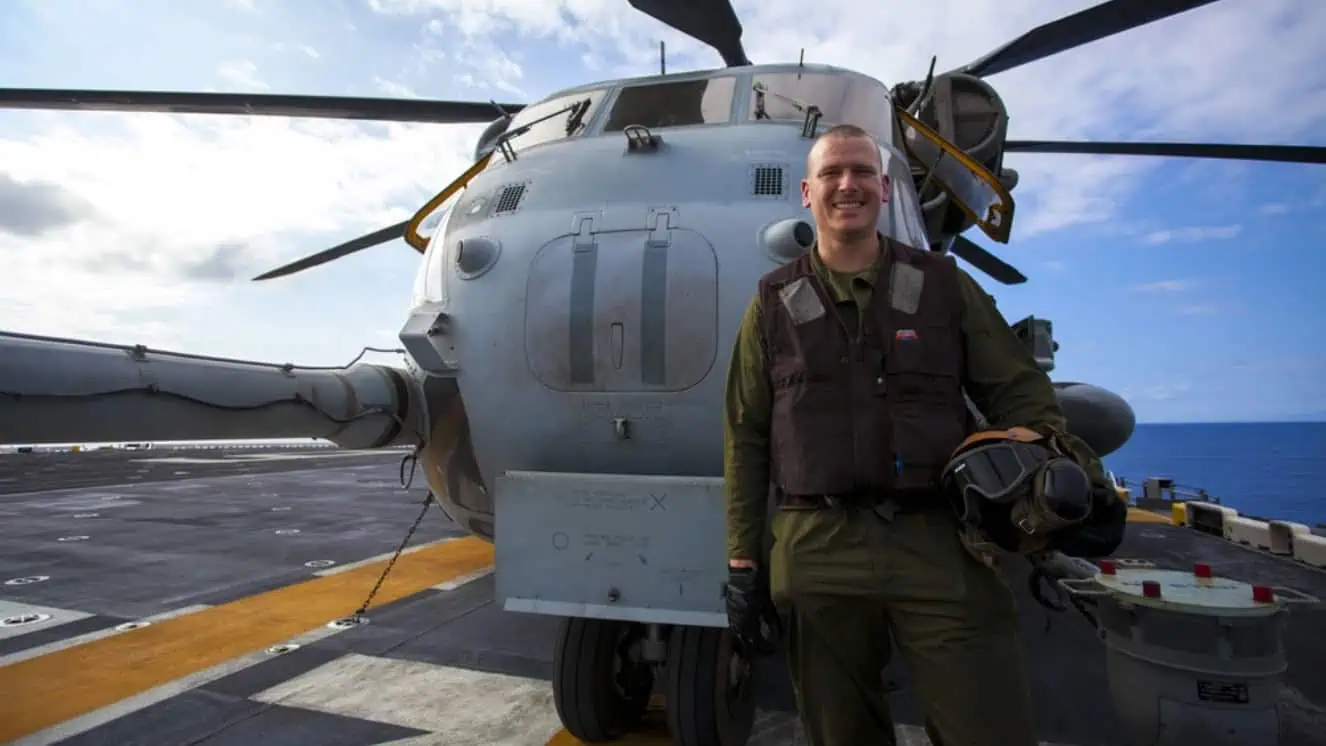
(924, 437)
(923, 364)
(924, 387)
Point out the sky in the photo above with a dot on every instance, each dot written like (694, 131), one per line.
(1191, 287)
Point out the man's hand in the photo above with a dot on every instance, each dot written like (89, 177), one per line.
(1047, 569)
(751, 615)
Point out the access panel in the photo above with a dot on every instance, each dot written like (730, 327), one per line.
(624, 310)
(613, 546)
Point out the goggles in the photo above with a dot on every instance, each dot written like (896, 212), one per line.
(997, 472)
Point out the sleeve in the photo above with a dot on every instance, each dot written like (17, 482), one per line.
(747, 406)
(1003, 380)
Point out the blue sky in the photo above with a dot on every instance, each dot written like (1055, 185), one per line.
(1191, 287)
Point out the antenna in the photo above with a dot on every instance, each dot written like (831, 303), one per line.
(662, 58)
(801, 63)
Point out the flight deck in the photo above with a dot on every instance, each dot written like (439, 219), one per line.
(202, 596)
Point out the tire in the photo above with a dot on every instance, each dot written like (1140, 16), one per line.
(704, 708)
(597, 699)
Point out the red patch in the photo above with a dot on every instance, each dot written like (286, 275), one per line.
(905, 335)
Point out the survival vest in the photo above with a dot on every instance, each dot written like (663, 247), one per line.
(873, 413)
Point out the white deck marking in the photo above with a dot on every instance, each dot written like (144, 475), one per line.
(456, 705)
(19, 609)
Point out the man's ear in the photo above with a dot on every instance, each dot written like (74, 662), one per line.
(885, 189)
(805, 193)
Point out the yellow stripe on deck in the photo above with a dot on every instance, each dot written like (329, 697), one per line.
(45, 691)
(1137, 515)
(653, 731)
(634, 739)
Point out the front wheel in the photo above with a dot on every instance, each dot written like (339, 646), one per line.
(710, 698)
(601, 684)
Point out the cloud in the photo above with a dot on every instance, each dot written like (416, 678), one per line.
(1164, 286)
(1192, 234)
(1204, 309)
(394, 89)
(31, 209)
(1170, 80)
(186, 204)
(145, 217)
(242, 74)
(305, 49)
(477, 61)
(1158, 392)
(1302, 365)
(1189, 307)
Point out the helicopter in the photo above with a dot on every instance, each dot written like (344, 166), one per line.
(571, 305)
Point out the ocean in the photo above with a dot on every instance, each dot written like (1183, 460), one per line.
(1272, 470)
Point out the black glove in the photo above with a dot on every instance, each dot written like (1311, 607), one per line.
(1047, 568)
(751, 615)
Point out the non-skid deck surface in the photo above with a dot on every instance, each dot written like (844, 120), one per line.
(232, 556)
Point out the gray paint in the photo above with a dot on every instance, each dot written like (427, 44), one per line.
(612, 546)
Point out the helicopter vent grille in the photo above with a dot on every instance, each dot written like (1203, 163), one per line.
(767, 180)
(508, 199)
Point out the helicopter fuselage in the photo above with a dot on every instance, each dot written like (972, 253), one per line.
(585, 294)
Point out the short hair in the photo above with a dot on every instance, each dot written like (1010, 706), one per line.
(847, 131)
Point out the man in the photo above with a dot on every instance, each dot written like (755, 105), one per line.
(846, 392)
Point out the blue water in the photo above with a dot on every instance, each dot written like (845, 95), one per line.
(1274, 470)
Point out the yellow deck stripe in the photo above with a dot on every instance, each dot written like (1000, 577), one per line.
(653, 734)
(653, 731)
(38, 693)
(1137, 515)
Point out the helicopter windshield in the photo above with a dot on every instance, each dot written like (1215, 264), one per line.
(841, 99)
(554, 119)
(673, 104)
(430, 280)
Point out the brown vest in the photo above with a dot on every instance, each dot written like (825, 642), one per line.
(881, 415)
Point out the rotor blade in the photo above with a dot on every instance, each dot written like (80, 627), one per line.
(325, 107)
(1083, 27)
(986, 262)
(1279, 153)
(336, 252)
(711, 22)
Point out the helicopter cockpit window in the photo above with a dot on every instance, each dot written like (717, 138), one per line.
(675, 104)
(841, 99)
(430, 282)
(554, 119)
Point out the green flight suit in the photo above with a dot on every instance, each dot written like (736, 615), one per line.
(849, 582)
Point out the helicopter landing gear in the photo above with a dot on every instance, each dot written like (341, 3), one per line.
(601, 682)
(709, 689)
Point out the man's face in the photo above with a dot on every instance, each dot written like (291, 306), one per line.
(844, 186)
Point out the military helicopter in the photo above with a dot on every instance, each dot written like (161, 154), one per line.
(569, 318)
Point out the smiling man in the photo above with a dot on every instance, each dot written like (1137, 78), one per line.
(845, 391)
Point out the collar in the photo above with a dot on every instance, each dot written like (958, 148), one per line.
(869, 275)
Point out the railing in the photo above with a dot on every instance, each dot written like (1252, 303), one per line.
(1164, 489)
